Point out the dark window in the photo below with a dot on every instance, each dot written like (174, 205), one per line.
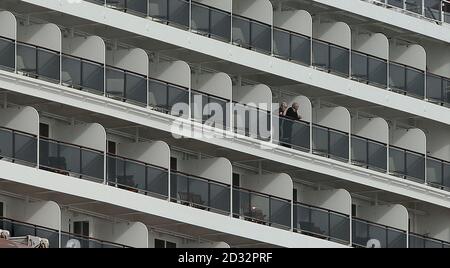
(353, 210)
(111, 147)
(236, 179)
(44, 130)
(1, 209)
(164, 244)
(173, 163)
(295, 194)
(81, 228)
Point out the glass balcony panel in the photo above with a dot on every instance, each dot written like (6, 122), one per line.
(377, 72)
(395, 3)
(157, 181)
(179, 12)
(70, 158)
(415, 166)
(377, 153)
(7, 53)
(92, 164)
(220, 24)
(19, 229)
(69, 240)
(339, 60)
(321, 55)
(434, 88)
(433, 9)
(6, 143)
(414, 6)
(359, 151)
(447, 175)
(178, 186)
(378, 233)
(241, 203)
(136, 88)
(416, 241)
(198, 104)
(396, 239)
(219, 197)
(434, 171)
(115, 83)
(158, 96)
(280, 212)
(339, 227)
(92, 77)
(241, 32)
(25, 148)
(301, 49)
(339, 145)
(51, 235)
(446, 91)
(360, 234)
(198, 192)
(26, 59)
(397, 77)
(320, 218)
(320, 140)
(159, 9)
(397, 161)
(359, 67)
(71, 71)
(261, 37)
(200, 19)
(138, 7)
(134, 175)
(430, 243)
(48, 155)
(48, 64)
(282, 43)
(294, 133)
(415, 82)
(259, 208)
(177, 95)
(98, 2)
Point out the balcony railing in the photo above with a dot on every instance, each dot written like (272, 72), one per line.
(421, 241)
(293, 133)
(262, 208)
(7, 52)
(330, 143)
(252, 121)
(126, 86)
(211, 22)
(387, 237)
(20, 229)
(83, 74)
(163, 96)
(71, 240)
(292, 46)
(369, 69)
(252, 34)
(210, 109)
(331, 58)
(406, 80)
(407, 164)
(369, 154)
(69, 159)
(17, 146)
(38, 62)
(438, 89)
(200, 192)
(137, 176)
(435, 10)
(438, 173)
(322, 223)
(170, 11)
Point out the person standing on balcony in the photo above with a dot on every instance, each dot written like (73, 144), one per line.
(291, 115)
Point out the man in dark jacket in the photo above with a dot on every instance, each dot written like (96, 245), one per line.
(292, 115)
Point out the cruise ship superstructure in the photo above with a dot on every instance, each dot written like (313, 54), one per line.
(156, 124)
